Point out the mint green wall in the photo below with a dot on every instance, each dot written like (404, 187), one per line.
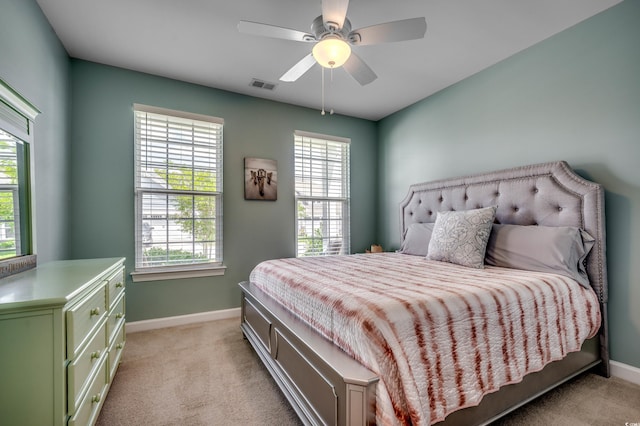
(574, 97)
(102, 166)
(34, 63)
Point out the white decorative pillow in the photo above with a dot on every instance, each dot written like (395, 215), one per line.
(461, 237)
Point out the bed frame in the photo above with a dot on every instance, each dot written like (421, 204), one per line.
(326, 386)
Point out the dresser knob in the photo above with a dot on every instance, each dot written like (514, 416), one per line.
(119, 346)
(94, 311)
(118, 285)
(119, 315)
(95, 398)
(95, 355)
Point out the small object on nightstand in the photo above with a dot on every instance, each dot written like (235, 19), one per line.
(375, 248)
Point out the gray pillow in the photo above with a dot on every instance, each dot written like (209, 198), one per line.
(556, 249)
(461, 237)
(416, 239)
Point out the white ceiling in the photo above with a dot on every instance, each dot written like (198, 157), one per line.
(197, 41)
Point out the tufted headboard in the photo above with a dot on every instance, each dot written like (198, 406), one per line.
(549, 194)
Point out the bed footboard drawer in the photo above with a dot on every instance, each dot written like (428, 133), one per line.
(310, 382)
(258, 322)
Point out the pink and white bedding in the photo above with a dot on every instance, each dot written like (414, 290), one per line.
(439, 335)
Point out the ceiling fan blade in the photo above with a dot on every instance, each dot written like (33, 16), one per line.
(298, 70)
(334, 11)
(359, 70)
(266, 30)
(406, 29)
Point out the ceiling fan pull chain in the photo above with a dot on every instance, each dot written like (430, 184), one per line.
(322, 71)
(331, 110)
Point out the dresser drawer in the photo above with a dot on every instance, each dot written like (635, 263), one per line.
(81, 369)
(116, 316)
(115, 351)
(115, 287)
(89, 408)
(84, 317)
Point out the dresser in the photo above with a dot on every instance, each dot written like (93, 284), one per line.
(62, 334)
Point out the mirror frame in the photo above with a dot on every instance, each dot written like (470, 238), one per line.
(28, 112)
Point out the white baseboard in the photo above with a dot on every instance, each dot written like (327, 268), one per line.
(152, 324)
(625, 372)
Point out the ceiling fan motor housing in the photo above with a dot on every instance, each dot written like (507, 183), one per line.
(320, 31)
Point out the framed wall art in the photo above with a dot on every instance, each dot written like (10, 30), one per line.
(260, 179)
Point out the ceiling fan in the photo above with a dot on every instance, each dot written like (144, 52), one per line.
(333, 37)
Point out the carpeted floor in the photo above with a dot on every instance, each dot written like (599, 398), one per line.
(207, 374)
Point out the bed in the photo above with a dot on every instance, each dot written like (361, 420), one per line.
(327, 372)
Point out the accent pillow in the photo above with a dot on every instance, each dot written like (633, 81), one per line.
(461, 237)
(556, 249)
(416, 239)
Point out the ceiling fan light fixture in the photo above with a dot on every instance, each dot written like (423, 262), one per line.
(331, 52)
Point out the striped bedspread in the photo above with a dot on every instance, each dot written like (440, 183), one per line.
(440, 336)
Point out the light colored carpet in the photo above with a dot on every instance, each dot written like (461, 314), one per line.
(200, 374)
(587, 400)
(207, 374)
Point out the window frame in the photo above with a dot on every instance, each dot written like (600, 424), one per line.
(344, 199)
(187, 270)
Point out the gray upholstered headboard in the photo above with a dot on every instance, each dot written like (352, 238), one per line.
(549, 194)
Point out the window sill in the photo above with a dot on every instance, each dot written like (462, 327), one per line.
(177, 274)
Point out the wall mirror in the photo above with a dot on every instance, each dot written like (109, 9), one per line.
(17, 240)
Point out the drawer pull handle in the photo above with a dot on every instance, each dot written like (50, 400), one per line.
(119, 315)
(95, 398)
(94, 311)
(119, 346)
(95, 355)
(119, 284)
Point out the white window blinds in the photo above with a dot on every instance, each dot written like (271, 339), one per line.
(322, 194)
(178, 183)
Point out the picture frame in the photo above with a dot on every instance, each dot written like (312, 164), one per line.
(260, 179)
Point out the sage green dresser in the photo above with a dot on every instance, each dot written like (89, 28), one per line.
(61, 338)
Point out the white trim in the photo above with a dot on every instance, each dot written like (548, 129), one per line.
(625, 372)
(153, 324)
(331, 138)
(23, 106)
(175, 113)
(178, 274)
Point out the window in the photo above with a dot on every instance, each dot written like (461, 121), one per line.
(178, 184)
(322, 194)
(10, 241)
(16, 135)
